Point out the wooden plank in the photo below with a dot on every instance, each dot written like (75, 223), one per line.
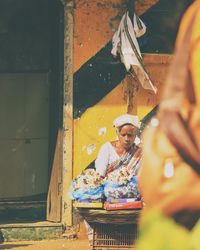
(68, 112)
(110, 217)
(159, 59)
(55, 191)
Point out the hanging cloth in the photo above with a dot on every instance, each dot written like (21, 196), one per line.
(125, 42)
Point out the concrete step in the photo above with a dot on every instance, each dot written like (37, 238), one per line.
(30, 231)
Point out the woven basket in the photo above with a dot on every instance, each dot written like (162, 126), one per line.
(110, 217)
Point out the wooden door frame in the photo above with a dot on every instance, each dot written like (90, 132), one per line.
(67, 173)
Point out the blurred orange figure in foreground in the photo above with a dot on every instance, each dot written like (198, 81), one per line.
(169, 176)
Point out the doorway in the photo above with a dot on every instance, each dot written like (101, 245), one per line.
(31, 67)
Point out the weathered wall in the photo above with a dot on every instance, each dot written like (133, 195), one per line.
(95, 22)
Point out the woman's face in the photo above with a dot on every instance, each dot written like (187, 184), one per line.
(126, 135)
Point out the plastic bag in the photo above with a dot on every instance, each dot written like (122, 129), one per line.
(87, 185)
(127, 190)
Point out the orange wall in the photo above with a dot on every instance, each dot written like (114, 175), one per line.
(93, 27)
(94, 22)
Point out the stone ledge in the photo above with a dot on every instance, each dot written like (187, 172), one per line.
(30, 231)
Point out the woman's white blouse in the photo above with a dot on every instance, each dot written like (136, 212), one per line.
(106, 156)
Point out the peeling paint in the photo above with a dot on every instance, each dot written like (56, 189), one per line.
(102, 131)
(90, 149)
(84, 148)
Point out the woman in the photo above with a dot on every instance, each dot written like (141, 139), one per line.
(172, 197)
(116, 166)
(118, 161)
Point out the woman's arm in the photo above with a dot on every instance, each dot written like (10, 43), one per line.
(102, 159)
